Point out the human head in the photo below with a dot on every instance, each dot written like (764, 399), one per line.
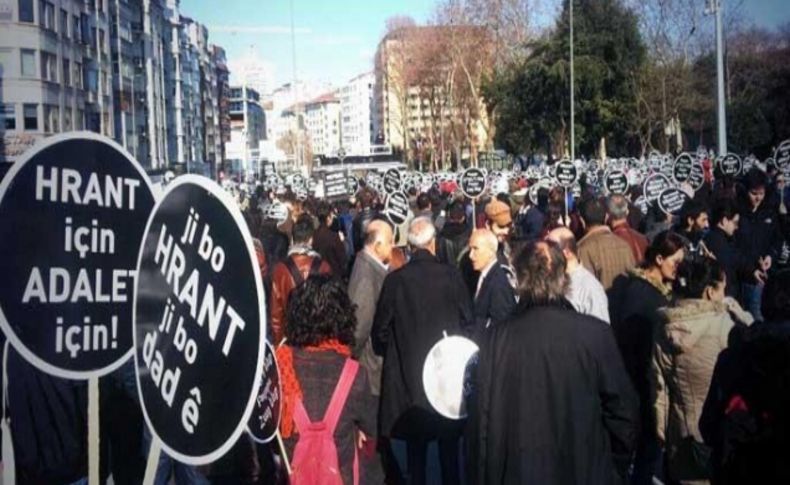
(324, 213)
(320, 310)
(456, 212)
(665, 254)
(566, 241)
(422, 234)
(776, 297)
(540, 269)
(702, 278)
(593, 213)
(303, 230)
(499, 220)
(756, 182)
(694, 216)
(379, 240)
(423, 202)
(482, 248)
(725, 216)
(617, 207)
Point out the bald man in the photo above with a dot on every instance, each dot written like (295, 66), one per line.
(367, 277)
(494, 299)
(585, 292)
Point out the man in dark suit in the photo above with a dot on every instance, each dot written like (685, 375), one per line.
(418, 302)
(494, 297)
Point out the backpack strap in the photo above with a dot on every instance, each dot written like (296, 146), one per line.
(295, 273)
(301, 419)
(341, 394)
(315, 266)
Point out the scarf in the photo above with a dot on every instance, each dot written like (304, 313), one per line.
(292, 390)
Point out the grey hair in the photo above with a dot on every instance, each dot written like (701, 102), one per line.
(617, 205)
(487, 237)
(540, 269)
(421, 232)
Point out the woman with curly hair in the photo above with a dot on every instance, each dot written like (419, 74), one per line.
(319, 337)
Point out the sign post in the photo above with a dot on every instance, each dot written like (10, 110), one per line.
(199, 329)
(566, 175)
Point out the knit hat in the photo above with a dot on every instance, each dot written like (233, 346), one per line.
(499, 213)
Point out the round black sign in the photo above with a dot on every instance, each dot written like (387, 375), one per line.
(198, 322)
(782, 155)
(642, 204)
(681, 170)
(697, 176)
(392, 181)
(353, 184)
(654, 185)
(566, 173)
(73, 210)
(298, 181)
(671, 200)
(473, 182)
(265, 419)
(396, 208)
(616, 182)
(730, 165)
(654, 161)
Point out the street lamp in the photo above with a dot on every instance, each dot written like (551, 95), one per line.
(573, 127)
(713, 7)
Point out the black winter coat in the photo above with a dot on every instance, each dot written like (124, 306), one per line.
(553, 403)
(758, 233)
(418, 302)
(496, 300)
(737, 265)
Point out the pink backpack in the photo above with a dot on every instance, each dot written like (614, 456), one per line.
(315, 456)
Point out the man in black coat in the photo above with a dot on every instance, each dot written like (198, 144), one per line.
(417, 304)
(494, 298)
(553, 402)
(720, 241)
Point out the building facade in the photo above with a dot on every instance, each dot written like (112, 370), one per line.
(247, 129)
(322, 122)
(356, 112)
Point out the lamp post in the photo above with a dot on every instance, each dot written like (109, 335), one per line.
(573, 128)
(714, 7)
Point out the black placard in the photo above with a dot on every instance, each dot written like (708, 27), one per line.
(265, 417)
(335, 185)
(697, 176)
(198, 322)
(566, 173)
(642, 204)
(782, 155)
(396, 208)
(473, 182)
(616, 182)
(681, 170)
(392, 181)
(269, 169)
(73, 210)
(297, 180)
(353, 184)
(730, 165)
(654, 185)
(671, 200)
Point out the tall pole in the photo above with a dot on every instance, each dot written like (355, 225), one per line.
(716, 4)
(573, 128)
(298, 151)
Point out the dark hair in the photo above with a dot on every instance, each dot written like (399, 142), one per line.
(776, 297)
(456, 211)
(303, 229)
(694, 275)
(540, 269)
(665, 245)
(423, 201)
(755, 179)
(322, 211)
(723, 209)
(320, 310)
(593, 211)
(691, 209)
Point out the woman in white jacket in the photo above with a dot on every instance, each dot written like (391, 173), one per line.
(688, 339)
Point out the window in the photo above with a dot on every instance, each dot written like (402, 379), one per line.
(64, 23)
(77, 75)
(66, 72)
(46, 15)
(79, 123)
(26, 11)
(67, 120)
(102, 46)
(49, 68)
(76, 31)
(31, 116)
(28, 63)
(8, 113)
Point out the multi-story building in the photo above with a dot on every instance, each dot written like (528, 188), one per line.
(322, 122)
(247, 129)
(356, 112)
(135, 70)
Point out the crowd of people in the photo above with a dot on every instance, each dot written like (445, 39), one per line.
(615, 346)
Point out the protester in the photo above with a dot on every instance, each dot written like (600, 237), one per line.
(417, 304)
(634, 301)
(618, 213)
(530, 221)
(721, 242)
(694, 222)
(745, 419)
(585, 292)
(600, 251)
(365, 201)
(320, 335)
(494, 298)
(689, 337)
(301, 263)
(327, 242)
(455, 234)
(499, 221)
(552, 401)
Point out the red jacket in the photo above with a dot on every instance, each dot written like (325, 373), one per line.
(636, 240)
(283, 283)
